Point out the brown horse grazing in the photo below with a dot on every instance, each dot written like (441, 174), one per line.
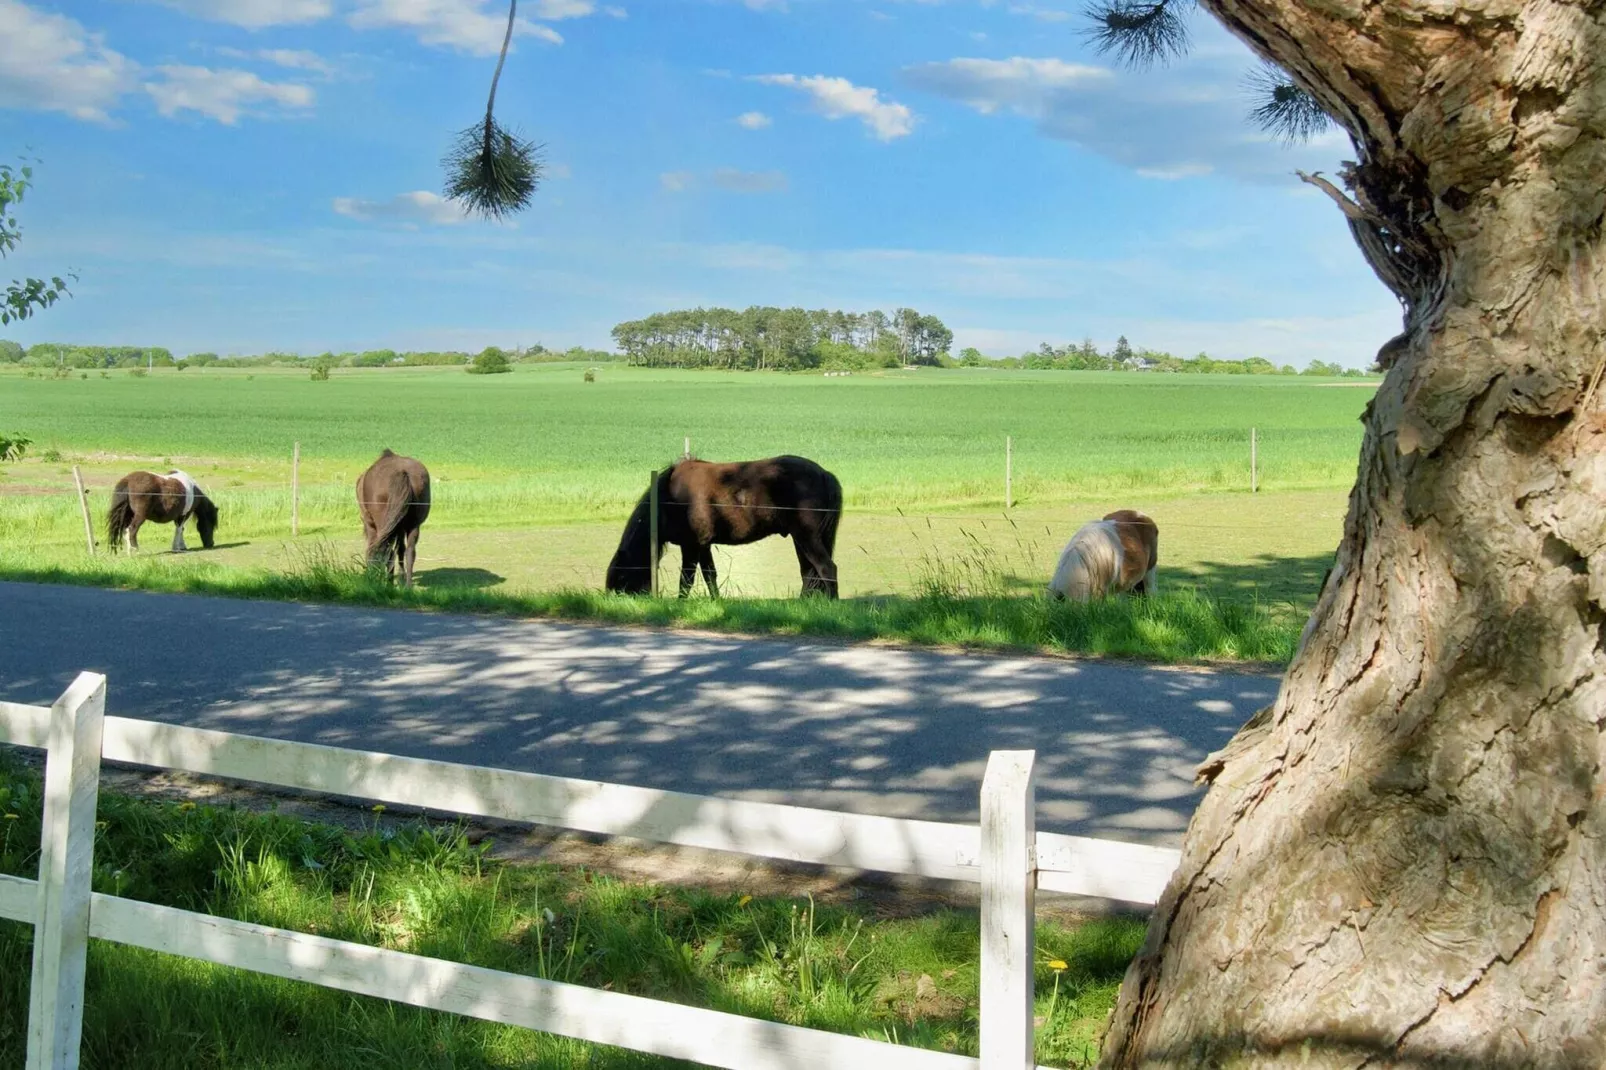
(170, 499)
(1118, 553)
(393, 497)
(701, 503)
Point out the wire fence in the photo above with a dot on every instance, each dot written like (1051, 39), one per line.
(990, 545)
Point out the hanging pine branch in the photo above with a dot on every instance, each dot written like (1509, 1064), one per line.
(490, 170)
(1140, 34)
(1283, 108)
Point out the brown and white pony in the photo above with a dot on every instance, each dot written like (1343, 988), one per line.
(393, 497)
(170, 499)
(1116, 554)
(701, 503)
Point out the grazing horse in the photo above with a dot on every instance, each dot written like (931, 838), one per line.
(393, 497)
(170, 499)
(1118, 553)
(701, 503)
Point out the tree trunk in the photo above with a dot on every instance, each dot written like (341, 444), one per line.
(1402, 861)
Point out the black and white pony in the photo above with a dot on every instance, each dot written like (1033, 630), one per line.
(170, 499)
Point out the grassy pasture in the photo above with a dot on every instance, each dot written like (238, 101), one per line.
(535, 471)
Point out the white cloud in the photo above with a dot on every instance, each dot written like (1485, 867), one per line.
(50, 62)
(615, 12)
(466, 25)
(676, 181)
(223, 95)
(1022, 85)
(838, 98)
(749, 181)
(408, 209)
(563, 9)
(1042, 14)
(255, 14)
(753, 120)
(289, 58)
(1176, 122)
(1171, 174)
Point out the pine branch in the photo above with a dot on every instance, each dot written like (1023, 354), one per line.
(490, 170)
(1139, 33)
(1284, 109)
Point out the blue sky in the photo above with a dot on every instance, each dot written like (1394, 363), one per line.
(243, 175)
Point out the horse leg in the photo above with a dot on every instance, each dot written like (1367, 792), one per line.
(1147, 587)
(412, 558)
(178, 536)
(688, 567)
(131, 534)
(710, 574)
(814, 561)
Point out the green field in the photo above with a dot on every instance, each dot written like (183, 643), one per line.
(534, 472)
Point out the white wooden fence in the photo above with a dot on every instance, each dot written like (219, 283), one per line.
(1004, 854)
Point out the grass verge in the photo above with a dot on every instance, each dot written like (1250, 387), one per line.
(425, 889)
(1174, 627)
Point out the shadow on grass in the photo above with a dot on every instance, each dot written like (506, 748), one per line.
(457, 577)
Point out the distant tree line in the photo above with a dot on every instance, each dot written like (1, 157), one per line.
(758, 338)
(59, 355)
(782, 339)
(1122, 357)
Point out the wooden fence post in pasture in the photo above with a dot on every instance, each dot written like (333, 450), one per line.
(1008, 909)
(1009, 472)
(295, 490)
(66, 859)
(1254, 462)
(83, 507)
(652, 529)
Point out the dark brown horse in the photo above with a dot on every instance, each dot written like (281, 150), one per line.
(393, 497)
(701, 503)
(170, 499)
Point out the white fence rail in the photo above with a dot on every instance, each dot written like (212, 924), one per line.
(1005, 855)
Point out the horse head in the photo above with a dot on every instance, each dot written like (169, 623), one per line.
(630, 571)
(205, 518)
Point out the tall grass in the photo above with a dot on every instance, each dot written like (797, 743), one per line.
(426, 889)
(1176, 626)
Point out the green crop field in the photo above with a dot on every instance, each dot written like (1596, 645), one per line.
(534, 472)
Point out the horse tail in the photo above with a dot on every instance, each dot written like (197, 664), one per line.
(120, 516)
(399, 491)
(833, 513)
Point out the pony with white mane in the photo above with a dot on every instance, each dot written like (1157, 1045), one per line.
(1110, 556)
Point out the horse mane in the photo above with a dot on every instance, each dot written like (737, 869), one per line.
(1090, 563)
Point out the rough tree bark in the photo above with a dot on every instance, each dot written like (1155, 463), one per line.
(1402, 861)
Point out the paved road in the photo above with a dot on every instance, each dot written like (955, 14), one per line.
(898, 732)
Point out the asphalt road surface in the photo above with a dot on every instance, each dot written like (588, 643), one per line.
(898, 732)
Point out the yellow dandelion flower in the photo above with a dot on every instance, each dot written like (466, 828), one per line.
(1058, 964)
(379, 808)
(186, 805)
(742, 902)
(11, 817)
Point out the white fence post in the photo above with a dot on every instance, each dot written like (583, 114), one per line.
(66, 861)
(1008, 909)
